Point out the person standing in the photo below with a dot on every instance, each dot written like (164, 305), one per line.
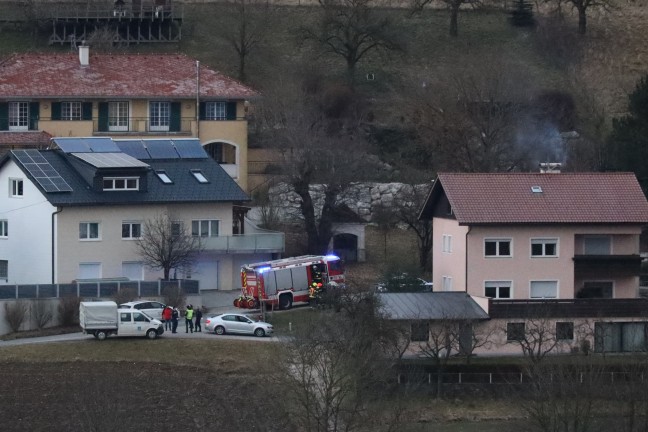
(189, 319)
(198, 315)
(166, 317)
(174, 320)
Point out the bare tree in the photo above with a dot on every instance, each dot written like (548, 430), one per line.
(321, 156)
(440, 346)
(453, 6)
(15, 314)
(165, 245)
(582, 6)
(42, 313)
(407, 212)
(352, 29)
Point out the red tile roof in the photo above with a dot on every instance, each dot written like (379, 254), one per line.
(114, 75)
(565, 198)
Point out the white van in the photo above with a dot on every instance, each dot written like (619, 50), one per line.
(102, 319)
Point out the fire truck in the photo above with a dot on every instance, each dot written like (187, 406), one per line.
(286, 281)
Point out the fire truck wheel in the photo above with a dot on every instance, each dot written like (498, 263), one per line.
(251, 304)
(236, 302)
(220, 330)
(285, 301)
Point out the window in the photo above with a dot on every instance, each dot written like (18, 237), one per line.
(4, 270)
(4, 228)
(204, 228)
(131, 230)
(596, 289)
(162, 175)
(564, 330)
(495, 248)
(125, 317)
(138, 317)
(89, 231)
(597, 245)
(446, 283)
(70, 110)
(447, 243)
(159, 116)
(133, 270)
(497, 289)
(118, 116)
(120, 183)
(89, 271)
(16, 188)
(543, 289)
(215, 110)
(177, 229)
(544, 247)
(515, 331)
(420, 331)
(199, 176)
(18, 116)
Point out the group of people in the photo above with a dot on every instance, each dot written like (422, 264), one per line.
(193, 318)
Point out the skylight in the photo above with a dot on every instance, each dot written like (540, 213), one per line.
(199, 176)
(536, 189)
(162, 175)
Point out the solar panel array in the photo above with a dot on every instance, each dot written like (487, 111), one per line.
(42, 171)
(86, 145)
(163, 148)
(110, 160)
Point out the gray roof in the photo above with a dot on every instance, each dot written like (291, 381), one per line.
(430, 306)
(184, 189)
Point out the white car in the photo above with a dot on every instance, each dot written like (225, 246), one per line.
(151, 308)
(237, 324)
(404, 283)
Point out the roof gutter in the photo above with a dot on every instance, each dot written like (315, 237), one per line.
(466, 258)
(58, 210)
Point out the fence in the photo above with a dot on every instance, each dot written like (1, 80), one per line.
(514, 377)
(103, 289)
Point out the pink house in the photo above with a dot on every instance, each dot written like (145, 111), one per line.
(520, 236)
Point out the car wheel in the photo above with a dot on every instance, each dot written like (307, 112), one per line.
(219, 330)
(259, 332)
(151, 334)
(101, 335)
(285, 301)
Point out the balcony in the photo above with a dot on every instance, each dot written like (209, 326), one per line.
(247, 243)
(144, 125)
(569, 308)
(607, 265)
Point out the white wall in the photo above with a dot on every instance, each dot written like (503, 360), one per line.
(28, 246)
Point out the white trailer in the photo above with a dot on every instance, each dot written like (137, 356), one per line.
(102, 319)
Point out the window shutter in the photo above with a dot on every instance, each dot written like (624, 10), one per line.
(56, 110)
(103, 117)
(86, 111)
(34, 114)
(231, 110)
(202, 112)
(4, 116)
(174, 123)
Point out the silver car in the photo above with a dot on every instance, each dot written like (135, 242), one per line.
(151, 308)
(237, 324)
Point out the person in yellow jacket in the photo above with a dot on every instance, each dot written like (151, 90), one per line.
(189, 319)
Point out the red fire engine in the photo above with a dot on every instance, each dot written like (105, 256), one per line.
(286, 281)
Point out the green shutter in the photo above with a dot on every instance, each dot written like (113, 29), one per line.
(202, 111)
(34, 114)
(4, 116)
(174, 123)
(103, 117)
(86, 111)
(56, 110)
(231, 110)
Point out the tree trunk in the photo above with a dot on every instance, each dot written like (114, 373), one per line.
(241, 74)
(454, 16)
(582, 20)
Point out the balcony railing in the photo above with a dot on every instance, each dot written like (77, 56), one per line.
(247, 243)
(568, 308)
(607, 265)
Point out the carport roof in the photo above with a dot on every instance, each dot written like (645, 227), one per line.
(431, 306)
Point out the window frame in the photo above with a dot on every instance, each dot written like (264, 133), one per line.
(118, 121)
(18, 113)
(16, 187)
(209, 228)
(88, 231)
(513, 331)
(564, 330)
(159, 116)
(418, 329)
(130, 225)
(447, 244)
(163, 176)
(599, 236)
(199, 176)
(544, 242)
(498, 284)
(115, 180)
(531, 282)
(71, 110)
(446, 283)
(497, 241)
(4, 228)
(4, 270)
(213, 110)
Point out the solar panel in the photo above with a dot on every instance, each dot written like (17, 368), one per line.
(41, 170)
(133, 148)
(110, 160)
(190, 149)
(161, 149)
(72, 145)
(103, 145)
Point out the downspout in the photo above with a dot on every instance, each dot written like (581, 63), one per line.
(198, 99)
(466, 257)
(59, 210)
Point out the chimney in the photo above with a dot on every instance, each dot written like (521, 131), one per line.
(550, 167)
(84, 54)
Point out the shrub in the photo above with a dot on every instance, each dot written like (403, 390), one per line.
(42, 313)
(125, 295)
(174, 296)
(15, 314)
(68, 310)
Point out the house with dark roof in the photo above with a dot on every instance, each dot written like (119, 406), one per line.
(75, 211)
(125, 96)
(552, 258)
